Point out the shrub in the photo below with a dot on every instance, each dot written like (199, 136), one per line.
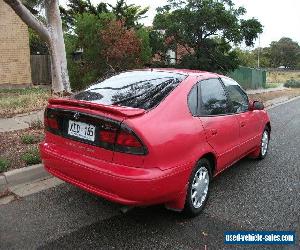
(292, 83)
(28, 139)
(121, 47)
(4, 164)
(32, 156)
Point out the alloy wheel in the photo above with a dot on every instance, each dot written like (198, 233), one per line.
(264, 143)
(200, 186)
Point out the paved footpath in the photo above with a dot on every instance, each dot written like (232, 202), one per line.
(22, 121)
(252, 195)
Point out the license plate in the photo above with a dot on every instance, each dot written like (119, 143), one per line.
(82, 130)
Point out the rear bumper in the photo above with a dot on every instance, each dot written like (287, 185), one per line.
(118, 183)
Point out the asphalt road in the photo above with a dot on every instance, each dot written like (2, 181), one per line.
(252, 195)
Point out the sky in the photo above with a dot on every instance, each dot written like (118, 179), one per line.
(279, 18)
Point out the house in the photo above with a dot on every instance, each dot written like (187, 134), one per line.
(14, 49)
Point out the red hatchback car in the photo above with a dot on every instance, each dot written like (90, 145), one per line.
(153, 136)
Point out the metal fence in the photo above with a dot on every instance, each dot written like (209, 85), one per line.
(40, 69)
(250, 78)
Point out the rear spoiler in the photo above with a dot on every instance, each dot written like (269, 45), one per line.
(116, 110)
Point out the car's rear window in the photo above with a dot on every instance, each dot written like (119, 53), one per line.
(136, 89)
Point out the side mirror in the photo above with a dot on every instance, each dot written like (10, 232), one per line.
(256, 105)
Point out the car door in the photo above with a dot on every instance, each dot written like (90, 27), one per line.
(221, 127)
(249, 123)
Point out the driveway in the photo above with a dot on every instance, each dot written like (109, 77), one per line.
(252, 195)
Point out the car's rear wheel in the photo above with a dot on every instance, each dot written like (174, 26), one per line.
(198, 188)
(264, 145)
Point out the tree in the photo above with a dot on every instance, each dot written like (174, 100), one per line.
(107, 46)
(130, 14)
(246, 58)
(207, 28)
(121, 47)
(250, 58)
(52, 34)
(159, 46)
(146, 52)
(285, 52)
(264, 55)
(37, 45)
(79, 7)
(91, 52)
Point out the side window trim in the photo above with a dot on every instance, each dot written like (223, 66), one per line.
(200, 102)
(199, 98)
(242, 90)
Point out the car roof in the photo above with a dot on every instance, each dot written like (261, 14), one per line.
(188, 72)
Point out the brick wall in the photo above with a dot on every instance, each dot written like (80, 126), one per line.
(14, 48)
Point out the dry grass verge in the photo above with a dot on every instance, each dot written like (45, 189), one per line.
(267, 97)
(282, 76)
(17, 101)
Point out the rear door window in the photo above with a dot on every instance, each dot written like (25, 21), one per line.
(238, 98)
(213, 98)
(136, 89)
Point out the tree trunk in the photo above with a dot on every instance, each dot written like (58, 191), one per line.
(60, 77)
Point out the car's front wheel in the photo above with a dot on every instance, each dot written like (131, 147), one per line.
(264, 145)
(198, 188)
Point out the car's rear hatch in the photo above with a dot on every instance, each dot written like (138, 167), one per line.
(75, 124)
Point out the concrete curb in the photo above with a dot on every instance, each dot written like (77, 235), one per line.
(3, 184)
(22, 176)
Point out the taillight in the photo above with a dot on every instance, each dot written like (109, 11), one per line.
(128, 140)
(107, 136)
(50, 121)
(123, 140)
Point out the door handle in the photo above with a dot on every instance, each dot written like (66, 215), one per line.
(243, 124)
(214, 131)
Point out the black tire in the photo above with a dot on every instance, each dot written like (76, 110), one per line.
(262, 153)
(189, 209)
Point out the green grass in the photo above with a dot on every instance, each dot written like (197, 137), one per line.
(272, 85)
(24, 91)
(4, 164)
(32, 156)
(16, 101)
